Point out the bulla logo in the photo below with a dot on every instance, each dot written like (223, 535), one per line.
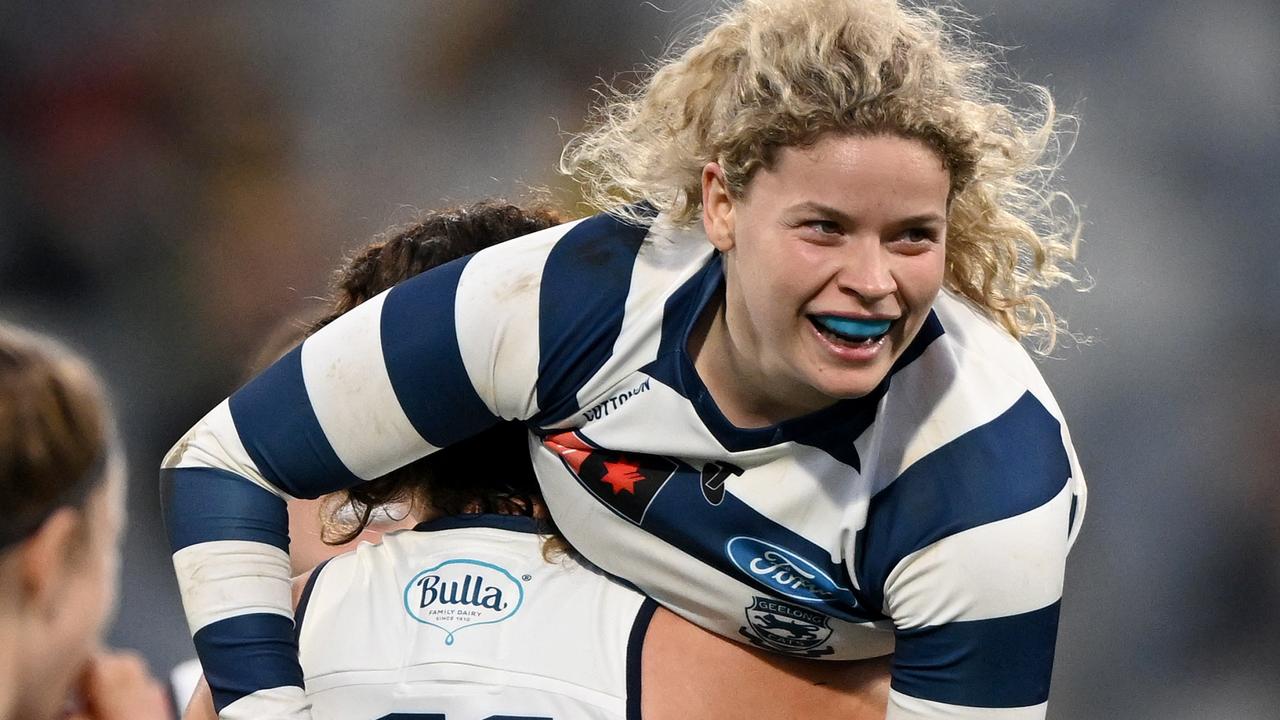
(462, 593)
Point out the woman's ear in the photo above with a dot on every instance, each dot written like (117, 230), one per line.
(717, 207)
(48, 558)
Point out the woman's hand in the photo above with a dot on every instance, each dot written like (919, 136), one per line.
(118, 686)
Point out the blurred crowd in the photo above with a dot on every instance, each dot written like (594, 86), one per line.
(176, 180)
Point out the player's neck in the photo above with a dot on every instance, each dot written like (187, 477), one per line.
(730, 370)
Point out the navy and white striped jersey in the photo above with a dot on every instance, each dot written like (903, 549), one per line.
(930, 519)
(462, 618)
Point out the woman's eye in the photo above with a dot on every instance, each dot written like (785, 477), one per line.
(916, 240)
(919, 235)
(826, 227)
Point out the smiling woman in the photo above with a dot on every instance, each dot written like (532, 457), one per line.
(832, 260)
(841, 450)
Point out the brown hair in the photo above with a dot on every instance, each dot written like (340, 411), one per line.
(54, 431)
(450, 480)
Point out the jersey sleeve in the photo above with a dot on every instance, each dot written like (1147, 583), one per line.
(432, 361)
(965, 553)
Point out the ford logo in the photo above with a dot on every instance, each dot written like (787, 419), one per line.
(780, 569)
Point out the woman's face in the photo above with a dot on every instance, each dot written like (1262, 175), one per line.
(71, 622)
(99, 575)
(833, 258)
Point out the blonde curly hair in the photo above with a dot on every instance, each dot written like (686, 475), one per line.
(769, 74)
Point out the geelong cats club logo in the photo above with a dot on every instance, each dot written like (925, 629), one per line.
(460, 593)
(787, 628)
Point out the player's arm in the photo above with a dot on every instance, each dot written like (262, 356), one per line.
(976, 617)
(965, 552)
(689, 672)
(982, 647)
(200, 706)
(429, 362)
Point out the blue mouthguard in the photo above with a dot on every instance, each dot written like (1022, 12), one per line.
(852, 327)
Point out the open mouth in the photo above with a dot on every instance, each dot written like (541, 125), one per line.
(853, 332)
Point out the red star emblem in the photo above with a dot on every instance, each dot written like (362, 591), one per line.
(622, 475)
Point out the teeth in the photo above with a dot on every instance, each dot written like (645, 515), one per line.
(852, 329)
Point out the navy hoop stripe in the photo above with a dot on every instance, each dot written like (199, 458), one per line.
(999, 470)
(999, 663)
(420, 349)
(231, 508)
(247, 653)
(279, 429)
(581, 306)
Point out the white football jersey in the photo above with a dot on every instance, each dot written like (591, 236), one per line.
(930, 518)
(461, 618)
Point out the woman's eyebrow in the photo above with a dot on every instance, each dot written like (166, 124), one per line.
(926, 218)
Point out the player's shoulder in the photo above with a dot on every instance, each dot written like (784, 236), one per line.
(975, 336)
(606, 254)
(598, 251)
(480, 545)
(983, 363)
(971, 421)
(993, 383)
(443, 537)
(604, 290)
(972, 458)
(510, 269)
(574, 282)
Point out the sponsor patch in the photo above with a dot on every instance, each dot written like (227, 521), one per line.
(713, 477)
(602, 409)
(461, 593)
(625, 482)
(781, 570)
(782, 627)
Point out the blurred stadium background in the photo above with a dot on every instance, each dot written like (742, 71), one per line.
(176, 178)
